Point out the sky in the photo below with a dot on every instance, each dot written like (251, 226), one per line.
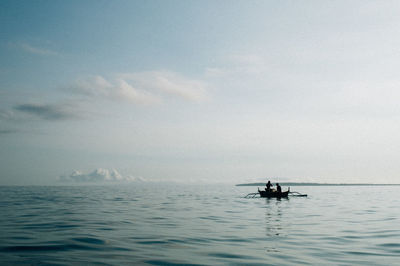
(199, 91)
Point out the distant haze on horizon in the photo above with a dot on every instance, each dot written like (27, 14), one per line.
(199, 91)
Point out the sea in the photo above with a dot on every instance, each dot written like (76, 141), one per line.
(155, 224)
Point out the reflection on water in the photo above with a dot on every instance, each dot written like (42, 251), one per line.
(200, 225)
(274, 227)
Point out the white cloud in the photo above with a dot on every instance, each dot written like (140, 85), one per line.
(99, 175)
(118, 89)
(145, 88)
(126, 91)
(35, 50)
(169, 83)
(93, 86)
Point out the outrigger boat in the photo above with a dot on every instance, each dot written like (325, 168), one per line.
(273, 194)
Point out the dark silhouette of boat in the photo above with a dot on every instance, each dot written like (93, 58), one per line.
(273, 194)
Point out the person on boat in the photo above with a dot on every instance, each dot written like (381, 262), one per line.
(278, 188)
(268, 186)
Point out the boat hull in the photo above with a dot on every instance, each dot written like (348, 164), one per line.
(273, 194)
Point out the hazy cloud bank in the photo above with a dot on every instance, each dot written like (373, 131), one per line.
(99, 175)
(138, 88)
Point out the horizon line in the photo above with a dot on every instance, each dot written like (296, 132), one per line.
(320, 184)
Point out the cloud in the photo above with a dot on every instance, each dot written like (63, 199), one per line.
(169, 83)
(125, 91)
(7, 131)
(35, 50)
(47, 111)
(92, 86)
(6, 114)
(99, 175)
(144, 88)
(117, 90)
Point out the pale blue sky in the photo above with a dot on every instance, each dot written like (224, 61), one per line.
(200, 91)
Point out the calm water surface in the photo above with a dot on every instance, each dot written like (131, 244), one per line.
(198, 225)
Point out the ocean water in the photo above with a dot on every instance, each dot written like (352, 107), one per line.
(198, 225)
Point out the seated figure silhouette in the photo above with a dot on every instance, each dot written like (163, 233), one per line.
(278, 188)
(268, 186)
